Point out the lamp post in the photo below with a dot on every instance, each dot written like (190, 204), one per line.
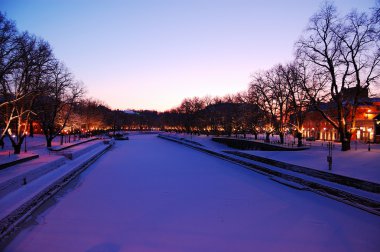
(329, 155)
(375, 123)
(26, 133)
(369, 139)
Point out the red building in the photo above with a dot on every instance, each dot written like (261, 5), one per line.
(367, 123)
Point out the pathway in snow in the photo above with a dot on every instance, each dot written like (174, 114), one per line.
(149, 194)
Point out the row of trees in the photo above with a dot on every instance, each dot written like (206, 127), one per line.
(34, 85)
(335, 54)
(227, 115)
(337, 59)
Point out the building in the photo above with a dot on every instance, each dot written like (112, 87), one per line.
(367, 126)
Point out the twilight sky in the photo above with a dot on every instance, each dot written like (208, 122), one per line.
(151, 54)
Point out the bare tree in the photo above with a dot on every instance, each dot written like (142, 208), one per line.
(281, 97)
(26, 84)
(256, 118)
(190, 109)
(346, 51)
(261, 94)
(249, 118)
(54, 106)
(272, 96)
(296, 77)
(9, 55)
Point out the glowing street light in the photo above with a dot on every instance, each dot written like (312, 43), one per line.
(367, 114)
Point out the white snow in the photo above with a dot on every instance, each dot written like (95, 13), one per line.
(34, 145)
(15, 199)
(360, 164)
(45, 156)
(149, 194)
(357, 163)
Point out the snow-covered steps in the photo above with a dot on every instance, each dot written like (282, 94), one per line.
(182, 139)
(19, 175)
(76, 151)
(16, 159)
(72, 144)
(289, 183)
(19, 204)
(246, 144)
(367, 201)
(336, 178)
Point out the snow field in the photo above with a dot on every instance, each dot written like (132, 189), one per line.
(149, 194)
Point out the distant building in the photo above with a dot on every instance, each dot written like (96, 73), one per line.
(367, 121)
(367, 126)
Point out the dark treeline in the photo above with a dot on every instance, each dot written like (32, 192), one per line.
(335, 54)
(228, 115)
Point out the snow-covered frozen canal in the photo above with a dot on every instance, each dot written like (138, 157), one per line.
(149, 194)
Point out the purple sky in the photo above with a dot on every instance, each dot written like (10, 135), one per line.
(150, 54)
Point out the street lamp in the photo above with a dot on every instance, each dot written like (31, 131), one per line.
(369, 139)
(26, 133)
(329, 155)
(375, 126)
(367, 114)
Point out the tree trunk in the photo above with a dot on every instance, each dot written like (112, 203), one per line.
(345, 139)
(346, 142)
(48, 142)
(2, 142)
(267, 134)
(255, 133)
(281, 137)
(228, 131)
(17, 148)
(299, 138)
(31, 129)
